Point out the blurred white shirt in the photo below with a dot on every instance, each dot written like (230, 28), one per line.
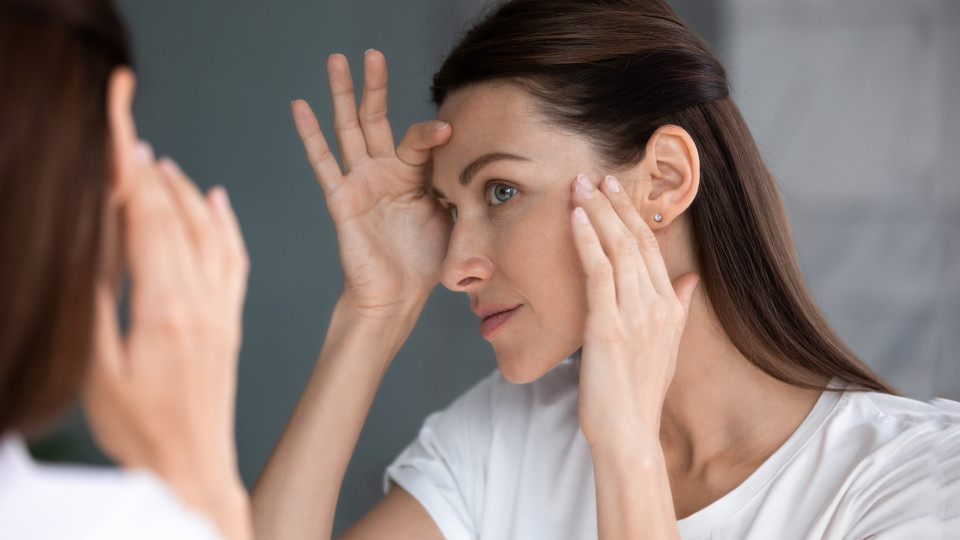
(41, 501)
(509, 461)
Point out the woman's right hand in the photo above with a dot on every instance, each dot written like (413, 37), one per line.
(392, 233)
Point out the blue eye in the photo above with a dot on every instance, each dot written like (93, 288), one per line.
(499, 193)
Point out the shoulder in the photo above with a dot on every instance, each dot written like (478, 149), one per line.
(890, 417)
(68, 501)
(897, 433)
(906, 475)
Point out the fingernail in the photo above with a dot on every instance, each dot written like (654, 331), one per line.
(612, 184)
(170, 167)
(144, 152)
(584, 186)
(440, 125)
(580, 215)
(366, 52)
(219, 197)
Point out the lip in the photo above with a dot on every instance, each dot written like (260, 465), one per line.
(494, 317)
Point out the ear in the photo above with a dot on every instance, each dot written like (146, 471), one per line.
(123, 131)
(669, 176)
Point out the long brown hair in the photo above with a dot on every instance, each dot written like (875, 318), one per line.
(55, 60)
(616, 70)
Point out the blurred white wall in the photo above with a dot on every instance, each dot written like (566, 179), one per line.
(855, 106)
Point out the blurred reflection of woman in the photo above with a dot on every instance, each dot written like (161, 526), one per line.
(83, 202)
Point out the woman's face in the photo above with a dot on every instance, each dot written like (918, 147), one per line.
(506, 175)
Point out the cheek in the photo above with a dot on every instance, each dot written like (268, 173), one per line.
(552, 277)
(552, 285)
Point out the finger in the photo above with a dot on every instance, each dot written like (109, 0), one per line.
(237, 264)
(106, 379)
(346, 125)
(620, 246)
(414, 149)
(324, 165)
(684, 287)
(196, 218)
(646, 240)
(373, 106)
(156, 241)
(108, 345)
(601, 292)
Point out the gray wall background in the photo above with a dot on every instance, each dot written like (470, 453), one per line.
(851, 101)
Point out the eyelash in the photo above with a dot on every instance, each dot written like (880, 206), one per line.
(490, 194)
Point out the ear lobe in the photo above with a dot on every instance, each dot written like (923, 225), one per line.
(123, 131)
(673, 163)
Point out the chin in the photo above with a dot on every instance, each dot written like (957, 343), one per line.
(526, 367)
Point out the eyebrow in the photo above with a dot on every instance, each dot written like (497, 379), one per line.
(470, 170)
(474, 167)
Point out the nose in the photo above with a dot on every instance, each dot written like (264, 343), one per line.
(466, 265)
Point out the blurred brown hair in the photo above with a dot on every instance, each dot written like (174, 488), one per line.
(55, 60)
(616, 70)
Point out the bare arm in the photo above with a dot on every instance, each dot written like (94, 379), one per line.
(296, 494)
(392, 239)
(398, 515)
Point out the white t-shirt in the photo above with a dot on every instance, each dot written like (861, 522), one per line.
(509, 461)
(39, 501)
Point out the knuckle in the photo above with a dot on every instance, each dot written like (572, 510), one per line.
(601, 269)
(627, 246)
(373, 117)
(659, 314)
(647, 240)
(678, 313)
(166, 311)
(348, 124)
(322, 152)
(656, 315)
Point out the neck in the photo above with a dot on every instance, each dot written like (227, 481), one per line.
(720, 408)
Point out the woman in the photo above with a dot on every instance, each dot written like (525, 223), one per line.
(592, 188)
(83, 202)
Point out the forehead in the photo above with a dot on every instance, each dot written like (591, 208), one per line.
(491, 111)
(500, 118)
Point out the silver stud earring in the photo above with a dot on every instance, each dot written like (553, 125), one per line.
(657, 217)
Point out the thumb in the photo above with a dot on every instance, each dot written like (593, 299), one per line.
(684, 287)
(103, 387)
(414, 149)
(106, 366)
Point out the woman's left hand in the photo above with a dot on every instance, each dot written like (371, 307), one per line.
(635, 318)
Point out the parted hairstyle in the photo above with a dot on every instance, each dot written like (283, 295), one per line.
(616, 70)
(56, 57)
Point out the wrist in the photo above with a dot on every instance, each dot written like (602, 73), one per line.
(641, 451)
(215, 491)
(389, 323)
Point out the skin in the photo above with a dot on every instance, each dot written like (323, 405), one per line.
(161, 396)
(492, 255)
(674, 415)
